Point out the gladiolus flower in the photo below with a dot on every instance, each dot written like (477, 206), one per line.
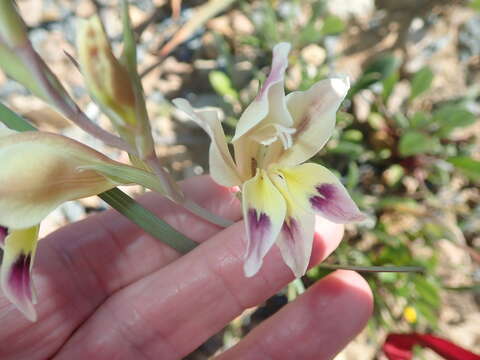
(39, 172)
(281, 194)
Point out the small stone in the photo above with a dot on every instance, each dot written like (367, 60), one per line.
(314, 54)
(85, 9)
(242, 24)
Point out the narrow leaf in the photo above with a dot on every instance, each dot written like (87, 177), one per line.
(413, 143)
(144, 218)
(416, 269)
(118, 200)
(13, 120)
(469, 166)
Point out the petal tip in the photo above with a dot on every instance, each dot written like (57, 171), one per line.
(333, 202)
(282, 48)
(341, 84)
(17, 286)
(251, 267)
(180, 102)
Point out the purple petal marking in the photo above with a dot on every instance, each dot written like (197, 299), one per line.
(279, 65)
(259, 224)
(335, 205)
(3, 235)
(290, 229)
(19, 278)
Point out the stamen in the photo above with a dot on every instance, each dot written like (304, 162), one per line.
(285, 135)
(273, 132)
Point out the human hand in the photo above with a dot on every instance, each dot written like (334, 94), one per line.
(107, 290)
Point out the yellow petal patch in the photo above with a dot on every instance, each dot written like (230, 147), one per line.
(264, 211)
(15, 272)
(315, 188)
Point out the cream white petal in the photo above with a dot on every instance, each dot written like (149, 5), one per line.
(269, 103)
(314, 113)
(222, 167)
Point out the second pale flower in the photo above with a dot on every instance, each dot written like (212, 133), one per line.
(281, 195)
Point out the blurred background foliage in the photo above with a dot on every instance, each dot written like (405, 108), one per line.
(407, 143)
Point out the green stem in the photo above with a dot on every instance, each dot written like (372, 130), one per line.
(147, 220)
(416, 269)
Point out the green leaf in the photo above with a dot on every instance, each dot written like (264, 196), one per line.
(129, 55)
(118, 200)
(147, 220)
(13, 120)
(222, 84)
(426, 311)
(419, 120)
(333, 25)
(413, 143)
(469, 166)
(380, 69)
(348, 148)
(309, 34)
(353, 175)
(421, 82)
(389, 84)
(475, 4)
(427, 291)
(449, 117)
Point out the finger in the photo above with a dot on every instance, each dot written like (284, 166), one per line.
(171, 312)
(117, 252)
(78, 266)
(316, 326)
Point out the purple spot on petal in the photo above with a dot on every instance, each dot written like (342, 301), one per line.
(19, 277)
(335, 204)
(3, 235)
(259, 224)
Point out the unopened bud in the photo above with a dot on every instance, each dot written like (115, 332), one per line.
(106, 78)
(42, 170)
(12, 28)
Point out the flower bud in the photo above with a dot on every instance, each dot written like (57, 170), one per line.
(12, 29)
(42, 170)
(107, 79)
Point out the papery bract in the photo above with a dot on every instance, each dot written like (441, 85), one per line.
(274, 136)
